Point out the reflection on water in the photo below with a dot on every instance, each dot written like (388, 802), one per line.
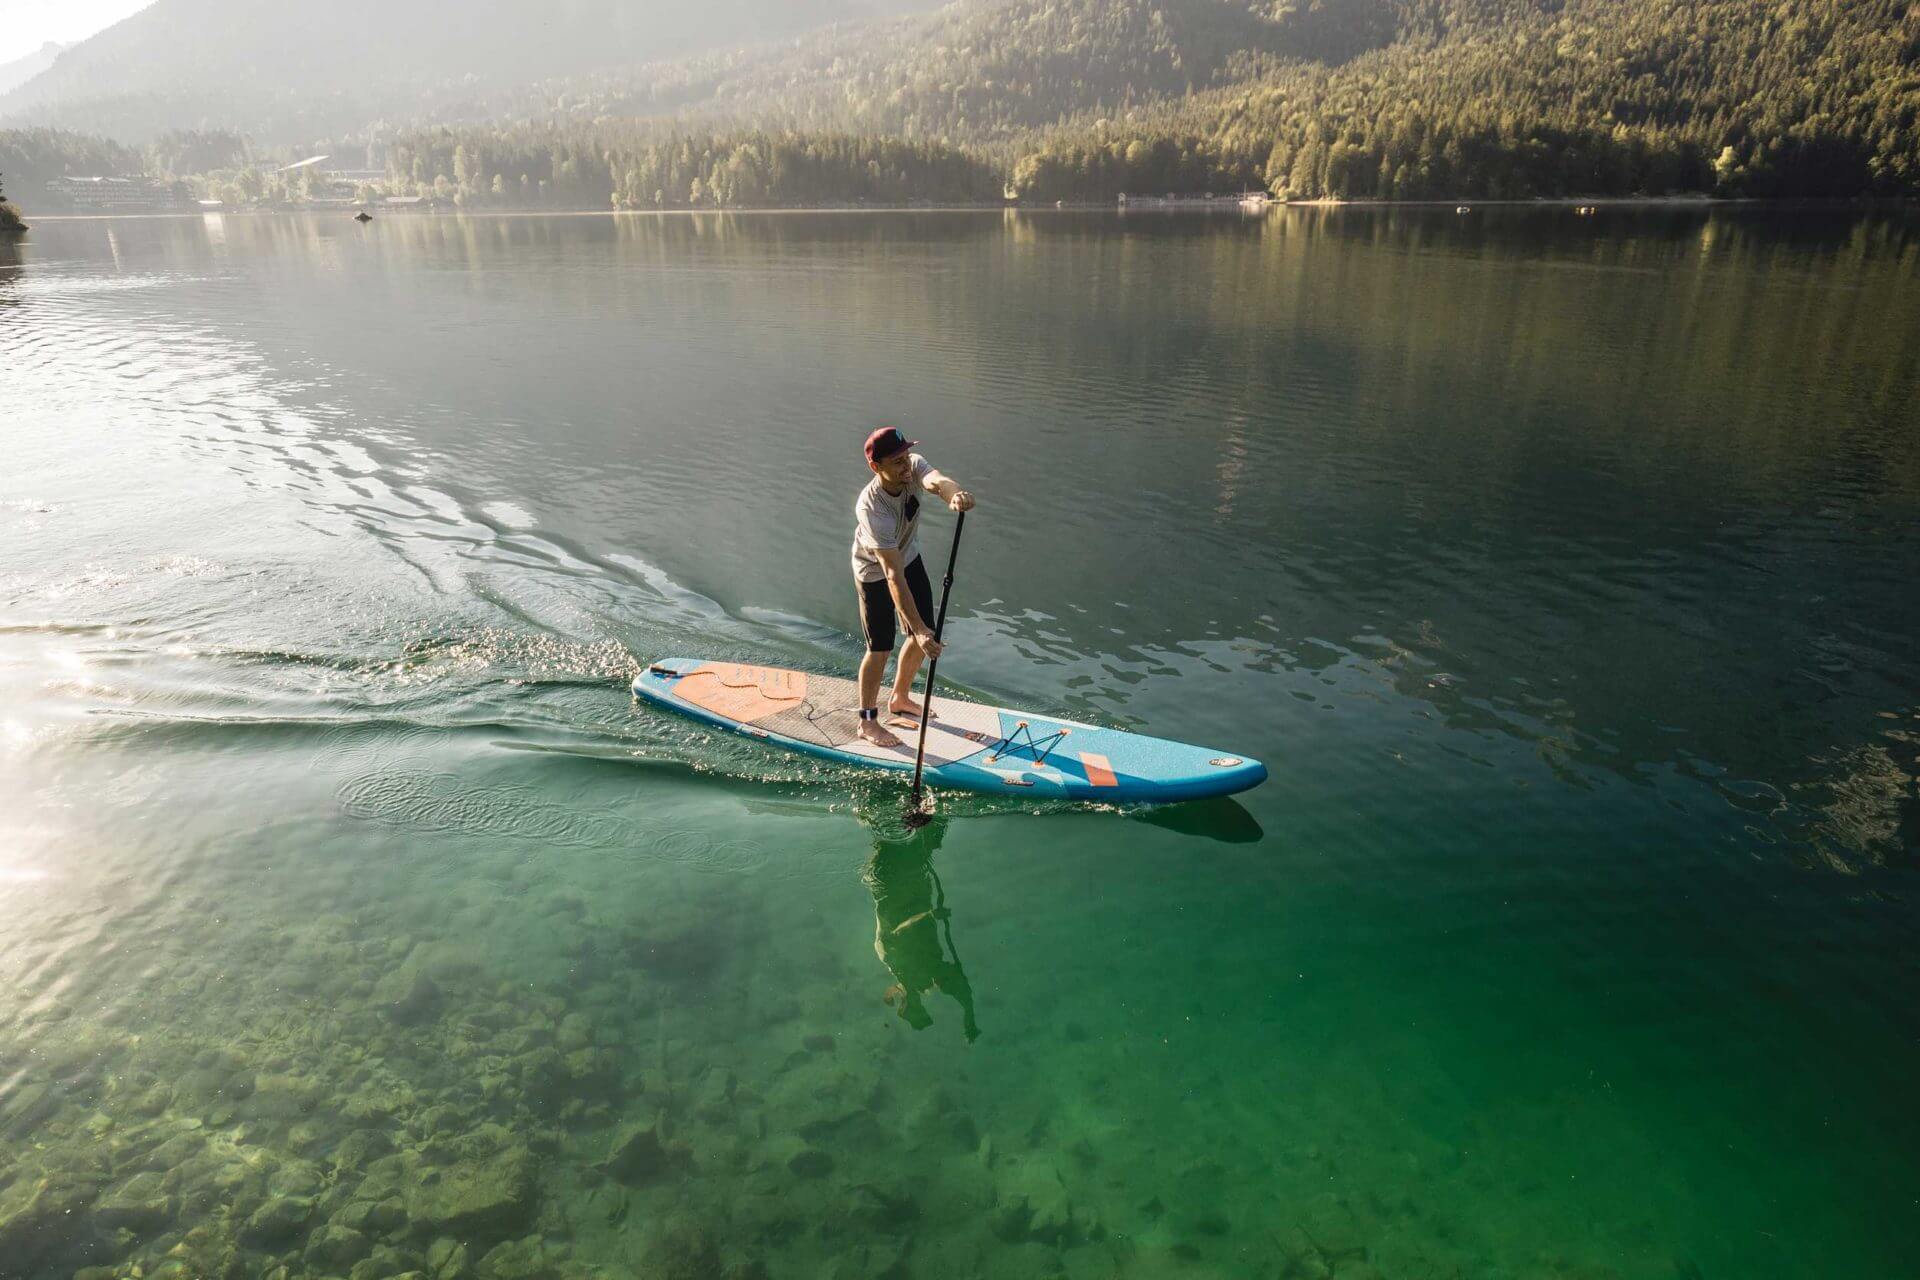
(913, 926)
(360, 923)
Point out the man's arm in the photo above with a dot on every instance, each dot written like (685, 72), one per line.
(903, 599)
(953, 495)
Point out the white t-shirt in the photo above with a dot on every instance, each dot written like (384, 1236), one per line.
(888, 521)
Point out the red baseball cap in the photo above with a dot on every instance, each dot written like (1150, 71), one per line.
(886, 442)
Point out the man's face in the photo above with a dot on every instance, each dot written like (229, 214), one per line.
(895, 471)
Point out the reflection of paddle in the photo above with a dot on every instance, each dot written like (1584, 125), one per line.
(916, 817)
(964, 991)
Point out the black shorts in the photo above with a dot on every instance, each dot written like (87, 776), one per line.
(876, 606)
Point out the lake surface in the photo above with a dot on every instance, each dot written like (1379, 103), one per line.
(355, 922)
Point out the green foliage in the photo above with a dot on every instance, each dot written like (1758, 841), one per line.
(34, 156)
(191, 151)
(1085, 99)
(1349, 98)
(642, 166)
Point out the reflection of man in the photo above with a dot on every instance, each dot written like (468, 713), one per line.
(909, 909)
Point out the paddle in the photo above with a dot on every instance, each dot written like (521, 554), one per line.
(916, 817)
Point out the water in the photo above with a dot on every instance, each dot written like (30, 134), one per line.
(356, 923)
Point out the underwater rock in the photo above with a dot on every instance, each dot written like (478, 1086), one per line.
(153, 1101)
(524, 1259)
(384, 1262)
(640, 1155)
(27, 1106)
(175, 1151)
(596, 1075)
(140, 1205)
(493, 1195)
(810, 1162)
(294, 1177)
(40, 1217)
(682, 1250)
(283, 1096)
(206, 1252)
(713, 1097)
(358, 1149)
(545, 1083)
(821, 1042)
(576, 1032)
(378, 1100)
(277, 1221)
(934, 1122)
(410, 999)
(880, 1211)
(879, 1259)
(447, 1260)
(1031, 1203)
(442, 1117)
(1329, 1222)
(372, 1217)
(198, 1088)
(335, 1249)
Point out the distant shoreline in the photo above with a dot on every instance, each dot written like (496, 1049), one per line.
(1216, 206)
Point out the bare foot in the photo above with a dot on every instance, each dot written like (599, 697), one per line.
(872, 731)
(908, 707)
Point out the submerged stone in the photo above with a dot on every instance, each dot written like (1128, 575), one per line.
(277, 1221)
(371, 1217)
(40, 1217)
(335, 1249)
(493, 1196)
(639, 1155)
(683, 1251)
(140, 1205)
(576, 1032)
(524, 1259)
(360, 1148)
(410, 998)
(810, 1162)
(383, 1263)
(447, 1259)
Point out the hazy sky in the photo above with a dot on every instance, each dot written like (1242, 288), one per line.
(25, 25)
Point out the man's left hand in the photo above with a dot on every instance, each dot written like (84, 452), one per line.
(961, 500)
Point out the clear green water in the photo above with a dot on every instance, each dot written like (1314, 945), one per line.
(353, 922)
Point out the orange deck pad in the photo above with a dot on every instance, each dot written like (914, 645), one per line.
(740, 692)
(1099, 769)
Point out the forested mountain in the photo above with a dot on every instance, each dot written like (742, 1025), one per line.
(1520, 98)
(29, 157)
(1085, 99)
(284, 71)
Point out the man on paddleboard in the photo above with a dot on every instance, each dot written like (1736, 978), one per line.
(891, 576)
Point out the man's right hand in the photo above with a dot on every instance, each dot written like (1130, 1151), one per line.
(928, 645)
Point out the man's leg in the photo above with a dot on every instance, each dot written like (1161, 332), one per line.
(912, 654)
(876, 624)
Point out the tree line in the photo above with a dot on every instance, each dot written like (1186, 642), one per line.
(1082, 100)
(638, 166)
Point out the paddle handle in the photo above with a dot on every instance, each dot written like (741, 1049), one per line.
(933, 663)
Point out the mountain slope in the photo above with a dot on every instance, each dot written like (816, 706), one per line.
(1347, 98)
(21, 70)
(291, 70)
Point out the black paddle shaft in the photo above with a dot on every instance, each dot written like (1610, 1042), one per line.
(933, 666)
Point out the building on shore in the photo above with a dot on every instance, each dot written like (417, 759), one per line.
(104, 194)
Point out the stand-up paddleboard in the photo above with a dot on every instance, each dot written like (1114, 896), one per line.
(969, 745)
